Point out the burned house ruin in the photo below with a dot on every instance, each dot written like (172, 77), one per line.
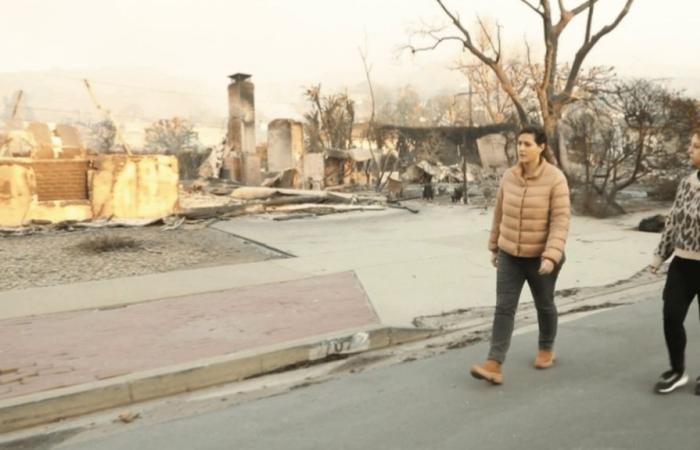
(48, 176)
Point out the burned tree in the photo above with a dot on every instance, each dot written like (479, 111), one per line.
(102, 136)
(379, 161)
(669, 166)
(552, 100)
(619, 138)
(177, 137)
(490, 97)
(329, 123)
(171, 136)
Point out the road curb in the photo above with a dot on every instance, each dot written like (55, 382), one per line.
(50, 406)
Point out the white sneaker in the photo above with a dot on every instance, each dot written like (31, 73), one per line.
(670, 381)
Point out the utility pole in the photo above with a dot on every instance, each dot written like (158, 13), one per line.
(108, 113)
(462, 149)
(16, 106)
(464, 155)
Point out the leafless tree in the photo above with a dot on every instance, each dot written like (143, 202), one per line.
(405, 110)
(619, 138)
(377, 165)
(409, 109)
(552, 99)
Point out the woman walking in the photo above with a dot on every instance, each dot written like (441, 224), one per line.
(529, 230)
(681, 237)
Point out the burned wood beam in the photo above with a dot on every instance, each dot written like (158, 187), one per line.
(209, 212)
(455, 134)
(294, 199)
(400, 206)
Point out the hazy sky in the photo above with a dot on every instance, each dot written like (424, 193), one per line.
(285, 42)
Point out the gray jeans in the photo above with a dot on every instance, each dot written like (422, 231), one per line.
(511, 275)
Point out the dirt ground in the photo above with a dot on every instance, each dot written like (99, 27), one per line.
(70, 257)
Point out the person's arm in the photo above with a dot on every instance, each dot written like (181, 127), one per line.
(665, 248)
(496, 223)
(559, 219)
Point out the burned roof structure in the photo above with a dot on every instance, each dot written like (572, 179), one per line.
(465, 136)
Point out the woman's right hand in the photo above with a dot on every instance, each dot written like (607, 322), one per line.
(494, 259)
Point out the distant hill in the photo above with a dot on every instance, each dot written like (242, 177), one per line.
(141, 96)
(129, 94)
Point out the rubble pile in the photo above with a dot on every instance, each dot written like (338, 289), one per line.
(204, 201)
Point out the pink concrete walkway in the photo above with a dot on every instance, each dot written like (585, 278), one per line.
(50, 351)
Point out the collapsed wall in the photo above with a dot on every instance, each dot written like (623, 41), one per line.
(57, 181)
(134, 186)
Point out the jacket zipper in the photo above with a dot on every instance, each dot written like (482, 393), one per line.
(520, 225)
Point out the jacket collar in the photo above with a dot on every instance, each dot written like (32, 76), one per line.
(520, 170)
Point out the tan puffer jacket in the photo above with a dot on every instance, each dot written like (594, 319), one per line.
(532, 214)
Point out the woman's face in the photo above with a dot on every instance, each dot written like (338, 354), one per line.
(528, 150)
(694, 151)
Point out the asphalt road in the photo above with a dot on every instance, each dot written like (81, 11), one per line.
(598, 396)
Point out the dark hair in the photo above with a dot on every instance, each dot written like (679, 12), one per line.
(537, 132)
(540, 139)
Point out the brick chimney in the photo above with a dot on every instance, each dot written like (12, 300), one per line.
(240, 136)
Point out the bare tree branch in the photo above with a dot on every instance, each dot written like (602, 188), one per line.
(487, 34)
(550, 58)
(562, 8)
(586, 48)
(456, 22)
(589, 24)
(566, 16)
(552, 84)
(371, 125)
(530, 64)
(434, 46)
(583, 6)
(498, 27)
(467, 41)
(546, 11)
(532, 7)
(494, 63)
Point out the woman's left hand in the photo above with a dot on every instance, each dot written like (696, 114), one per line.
(546, 267)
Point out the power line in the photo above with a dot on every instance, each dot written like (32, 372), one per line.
(128, 86)
(221, 124)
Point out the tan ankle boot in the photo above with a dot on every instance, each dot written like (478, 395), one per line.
(544, 359)
(489, 371)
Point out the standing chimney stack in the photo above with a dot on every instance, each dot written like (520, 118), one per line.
(241, 115)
